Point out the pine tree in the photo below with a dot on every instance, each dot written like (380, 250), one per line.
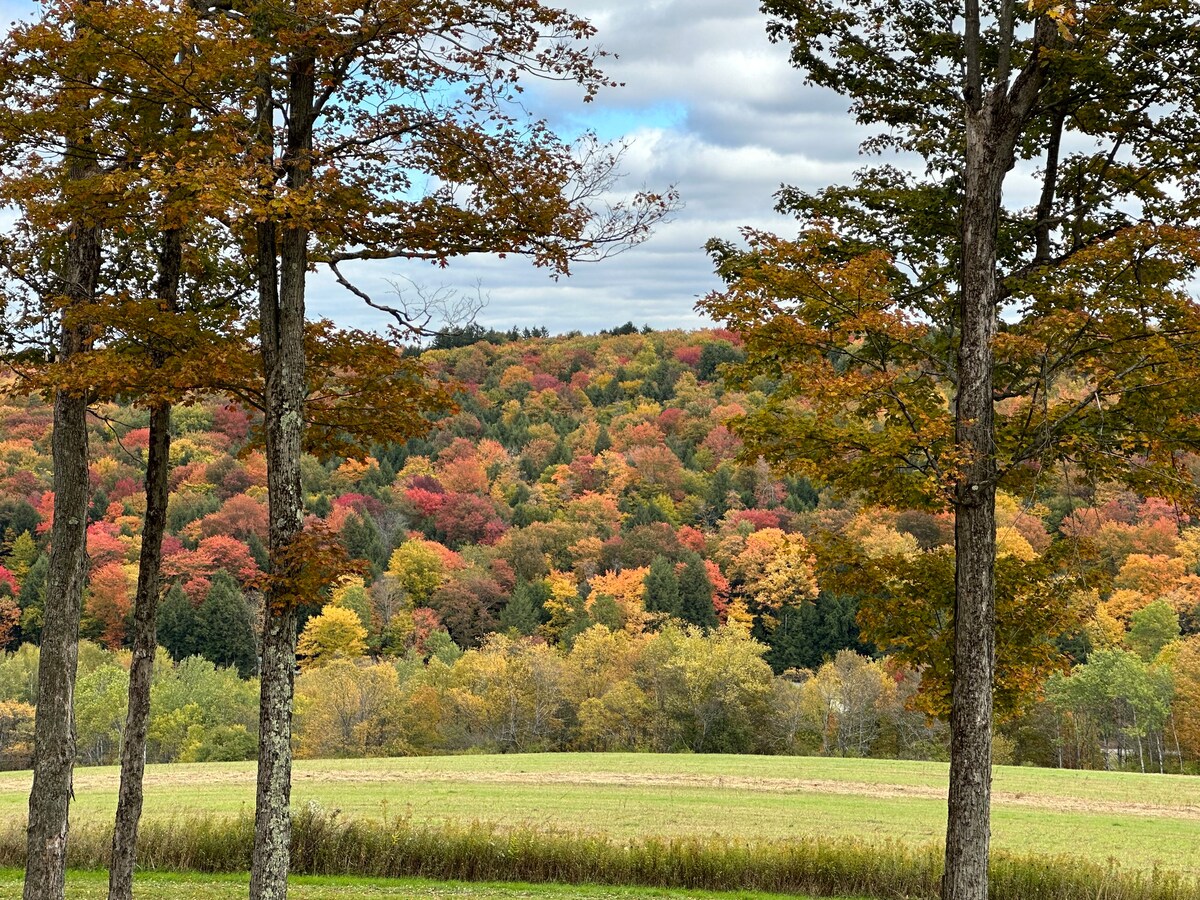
(363, 540)
(223, 629)
(32, 599)
(696, 594)
(661, 590)
(524, 610)
(177, 625)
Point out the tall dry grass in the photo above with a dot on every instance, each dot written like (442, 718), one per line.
(324, 844)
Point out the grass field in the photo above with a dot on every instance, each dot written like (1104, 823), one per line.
(94, 886)
(1139, 821)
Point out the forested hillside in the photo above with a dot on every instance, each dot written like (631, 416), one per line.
(578, 558)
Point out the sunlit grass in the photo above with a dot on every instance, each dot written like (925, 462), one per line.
(1141, 821)
(171, 886)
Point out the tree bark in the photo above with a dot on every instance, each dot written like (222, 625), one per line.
(282, 334)
(54, 729)
(995, 118)
(145, 608)
(968, 826)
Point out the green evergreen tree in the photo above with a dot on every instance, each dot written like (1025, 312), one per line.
(661, 590)
(793, 642)
(810, 634)
(801, 495)
(224, 632)
(33, 587)
(32, 599)
(716, 497)
(177, 625)
(19, 515)
(363, 540)
(603, 441)
(713, 355)
(259, 551)
(524, 611)
(99, 507)
(696, 594)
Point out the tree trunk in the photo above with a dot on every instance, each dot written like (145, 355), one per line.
(967, 825)
(1138, 734)
(54, 729)
(1178, 749)
(145, 608)
(282, 334)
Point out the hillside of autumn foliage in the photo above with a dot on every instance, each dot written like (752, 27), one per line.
(578, 557)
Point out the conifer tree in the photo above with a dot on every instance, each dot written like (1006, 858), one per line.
(696, 594)
(661, 591)
(223, 628)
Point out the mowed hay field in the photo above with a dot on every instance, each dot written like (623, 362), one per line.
(1138, 821)
(166, 886)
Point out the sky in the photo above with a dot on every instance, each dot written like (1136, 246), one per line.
(708, 106)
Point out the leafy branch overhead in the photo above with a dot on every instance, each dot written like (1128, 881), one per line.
(1090, 372)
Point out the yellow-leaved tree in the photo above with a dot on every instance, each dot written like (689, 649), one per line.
(337, 633)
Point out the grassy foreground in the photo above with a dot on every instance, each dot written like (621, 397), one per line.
(167, 886)
(1137, 821)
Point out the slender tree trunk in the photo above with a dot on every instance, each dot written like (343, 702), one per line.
(995, 117)
(1178, 749)
(1138, 734)
(145, 608)
(282, 335)
(54, 729)
(968, 825)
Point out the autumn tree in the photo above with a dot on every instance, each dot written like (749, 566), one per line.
(358, 101)
(336, 633)
(62, 189)
(908, 273)
(350, 710)
(146, 161)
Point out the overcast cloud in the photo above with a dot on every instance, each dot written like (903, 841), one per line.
(709, 106)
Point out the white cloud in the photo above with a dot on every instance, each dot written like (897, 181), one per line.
(711, 106)
(723, 117)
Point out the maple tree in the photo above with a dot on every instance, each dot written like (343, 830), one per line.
(64, 192)
(909, 273)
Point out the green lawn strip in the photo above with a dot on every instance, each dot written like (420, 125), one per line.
(197, 886)
(1164, 790)
(737, 796)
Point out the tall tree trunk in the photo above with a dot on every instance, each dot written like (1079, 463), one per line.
(145, 607)
(995, 117)
(54, 729)
(282, 334)
(968, 826)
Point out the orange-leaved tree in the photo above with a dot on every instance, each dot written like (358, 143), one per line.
(1090, 372)
(1100, 102)
(392, 131)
